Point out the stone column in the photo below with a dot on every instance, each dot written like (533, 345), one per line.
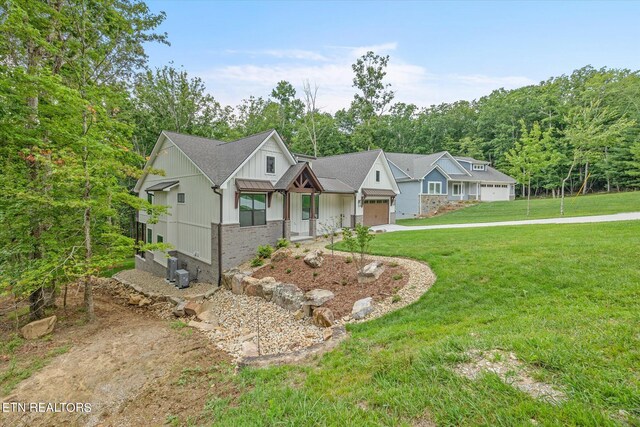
(287, 229)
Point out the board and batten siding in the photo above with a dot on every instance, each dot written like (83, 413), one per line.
(386, 182)
(256, 168)
(434, 176)
(407, 202)
(448, 165)
(186, 226)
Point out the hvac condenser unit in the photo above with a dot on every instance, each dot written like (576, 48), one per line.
(172, 266)
(182, 279)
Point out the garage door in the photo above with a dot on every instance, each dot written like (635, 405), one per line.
(494, 192)
(376, 212)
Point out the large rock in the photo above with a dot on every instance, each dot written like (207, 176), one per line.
(227, 277)
(371, 272)
(208, 317)
(203, 326)
(134, 299)
(288, 296)
(268, 289)
(39, 328)
(192, 308)
(314, 259)
(236, 284)
(280, 254)
(178, 310)
(362, 308)
(323, 317)
(317, 297)
(249, 349)
(253, 290)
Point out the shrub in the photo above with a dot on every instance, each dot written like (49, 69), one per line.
(272, 266)
(315, 274)
(344, 282)
(393, 264)
(265, 251)
(282, 243)
(358, 243)
(325, 235)
(397, 276)
(297, 245)
(348, 260)
(297, 257)
(396, 298)
(257, 262)
(288, 270)
(306, 250)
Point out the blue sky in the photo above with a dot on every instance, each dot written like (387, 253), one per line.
(440, 51)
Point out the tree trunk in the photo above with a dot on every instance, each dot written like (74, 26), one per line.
(564, 181)
(37, 304)
(529, 196)
(586, 178)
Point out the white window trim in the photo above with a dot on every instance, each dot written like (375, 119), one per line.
(266, 164)
(429, 188)
(477, 167)
(453, 189)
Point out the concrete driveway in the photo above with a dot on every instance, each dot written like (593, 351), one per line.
(565, 220)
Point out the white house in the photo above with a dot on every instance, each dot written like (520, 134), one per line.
(429, 181)
(226, 198)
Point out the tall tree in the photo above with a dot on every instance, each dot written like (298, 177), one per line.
(290, 109)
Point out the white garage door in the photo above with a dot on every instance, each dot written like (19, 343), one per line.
(494, 192)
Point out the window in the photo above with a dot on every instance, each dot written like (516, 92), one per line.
(149, 236)
(377, 176)
(435, 188)
(159, 239)
(306, 206)
(253, 209)
(478, 167)
(456, 189)
(181, 198)
(271, 164)
(150, 198)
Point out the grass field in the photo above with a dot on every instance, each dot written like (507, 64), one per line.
(564, 298)
(599, 204)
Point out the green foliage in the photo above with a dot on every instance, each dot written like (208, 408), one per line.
(348, 260)
(282, 243)
(358, 243)
(257, 262)
(397, 276)
(288, 271)
(297, 245)
(396, 298)
(265, 251)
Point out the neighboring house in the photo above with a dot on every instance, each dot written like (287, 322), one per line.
(429, 181)
(226, 198)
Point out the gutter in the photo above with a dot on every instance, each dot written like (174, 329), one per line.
(216, 189)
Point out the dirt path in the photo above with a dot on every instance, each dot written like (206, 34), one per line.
(130, 366)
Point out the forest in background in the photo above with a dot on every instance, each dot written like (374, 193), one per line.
(80, 111)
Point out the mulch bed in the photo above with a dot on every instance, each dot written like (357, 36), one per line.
(338, 277)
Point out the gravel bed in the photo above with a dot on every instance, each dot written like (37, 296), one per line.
(157, 285)
(238, 318)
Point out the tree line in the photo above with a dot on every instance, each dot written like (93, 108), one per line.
(80, 111)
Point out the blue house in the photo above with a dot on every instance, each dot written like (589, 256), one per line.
(429, 181)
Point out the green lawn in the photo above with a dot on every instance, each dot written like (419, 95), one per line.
(599, 204)
(126, 264)
(564, 298)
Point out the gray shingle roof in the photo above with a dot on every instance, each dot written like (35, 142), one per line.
(489, 175)
(217, 159)
(471, 159)
(334, 185)
(286, 178)
(351, 168)
(414, 165)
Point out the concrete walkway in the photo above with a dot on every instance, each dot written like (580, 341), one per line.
(566, 220)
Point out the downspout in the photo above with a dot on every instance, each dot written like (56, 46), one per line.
(355, 202)
(216, 189)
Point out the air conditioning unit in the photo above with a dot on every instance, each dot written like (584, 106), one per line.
(182, 279)
(172, 267)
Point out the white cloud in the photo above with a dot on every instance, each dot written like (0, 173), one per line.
(331, 71)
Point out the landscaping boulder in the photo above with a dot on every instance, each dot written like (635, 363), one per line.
(314, 259)
(246, 281)
(327, 333)
(268, 289)
(253, 290)
(288, 296)
(208, 317)
(203, 326)
(227, 277)
(144, 302)
(280, 254)
(178, 310)
(362, 308)
(39, 328)
(323, 317)
(236, 284)
(192, 308)
(371, 272)
(317, 297)
(134, 299)
(249, 349)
